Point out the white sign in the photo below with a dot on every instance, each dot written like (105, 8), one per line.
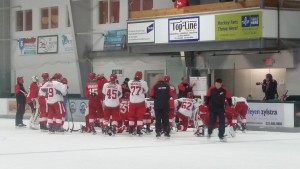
(265, 114)
(27, 46)
(184, 29)
(47, 44)
(142, 32)
(66, 43)
(200, 87)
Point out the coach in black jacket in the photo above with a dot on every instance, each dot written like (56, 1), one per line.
(215, 99)
(160, 92)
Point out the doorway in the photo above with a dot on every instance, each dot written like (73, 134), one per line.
(150, 76)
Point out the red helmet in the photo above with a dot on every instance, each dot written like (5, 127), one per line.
(167, 78)
(57, 76)
(203, 109)
(64, 80)
(19, 78)
(190, 95)
(138, 75)
(45, 76)
(113, 77)
(126, 95)
(92, 76)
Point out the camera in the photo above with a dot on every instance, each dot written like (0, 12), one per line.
(259, 83)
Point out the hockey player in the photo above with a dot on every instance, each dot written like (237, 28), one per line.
(185, 109)
(138, 89)
(54, 92)
(43, 105)
(241, 108)
(101, 80)
(123, 120)
(171, 102)
(112, 93)
(21, 101)
(148, 119)
(93, 93)
(31, 100)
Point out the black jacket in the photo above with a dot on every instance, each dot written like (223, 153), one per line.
(160, 92)
(269, 89)
(215, 98)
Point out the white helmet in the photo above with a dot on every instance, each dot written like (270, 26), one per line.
(35, 79)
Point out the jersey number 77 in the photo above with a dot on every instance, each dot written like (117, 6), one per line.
(136, 90)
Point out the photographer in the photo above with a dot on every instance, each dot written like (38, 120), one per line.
(269, 87)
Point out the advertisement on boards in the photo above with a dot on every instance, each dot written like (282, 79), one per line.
(265, 114)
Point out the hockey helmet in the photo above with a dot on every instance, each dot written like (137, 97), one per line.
(190, 95)
(92, 76)
(113, 77)
(20, 79)
(64, 80)
(57, 76)
(203, 108)
(138, 75)
(45, 76)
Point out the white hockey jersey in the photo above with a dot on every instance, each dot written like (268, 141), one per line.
(137, 90)
(113, 93)
(186, 106)
(238, 99)
(53, 91)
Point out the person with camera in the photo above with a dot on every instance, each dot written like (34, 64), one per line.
(269, 87)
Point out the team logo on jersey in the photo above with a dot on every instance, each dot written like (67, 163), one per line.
(72, 107)
(221, 93)
(82, 107)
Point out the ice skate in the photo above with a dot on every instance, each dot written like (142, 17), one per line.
(148, 130)
(167, 135)
(223, 139)
(109, 131)
(244, 127)
(93, 130)
(51, 130)
(139, 132)
(231, 131)
(21, 125)
(82, 128)
(60, 130)
(158, 135)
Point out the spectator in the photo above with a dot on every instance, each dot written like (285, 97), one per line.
(269, 87)
(184, 87)
(180, 3)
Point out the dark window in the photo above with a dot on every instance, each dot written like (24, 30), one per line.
(28, 20)
(19, 24)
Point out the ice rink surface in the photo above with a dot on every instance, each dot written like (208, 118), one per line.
(33, 149)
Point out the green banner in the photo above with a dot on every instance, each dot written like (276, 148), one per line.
(247, 25)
